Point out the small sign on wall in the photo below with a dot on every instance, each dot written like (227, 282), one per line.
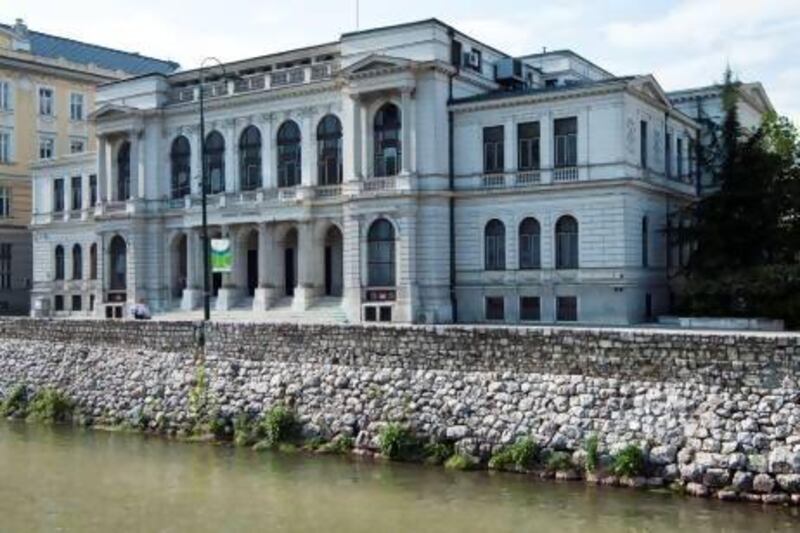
(221, 255)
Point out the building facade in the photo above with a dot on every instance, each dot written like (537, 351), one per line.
(47, 87)
(404, 174)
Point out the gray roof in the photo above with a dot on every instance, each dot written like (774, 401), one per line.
(503, 94)
(51, 46)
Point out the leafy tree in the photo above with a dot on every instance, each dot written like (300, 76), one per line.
(746, 232)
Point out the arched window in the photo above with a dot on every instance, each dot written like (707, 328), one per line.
(380, 254)
(93, 261)
(329, 151)
(530, 234)
(645, 243)
(387, 141)
(566, 243)
(124, 172)
(59, 262)
(494, 237)
(289, 154)
(118, 256)
(215, 162)
(179, 155)
(77, 262)
(250, 158)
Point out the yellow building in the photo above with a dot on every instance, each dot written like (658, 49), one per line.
(47, 87)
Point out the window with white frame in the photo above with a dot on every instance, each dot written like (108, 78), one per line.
(47, 148)
(565, 136)
(5, 202)
(76, 106)
(5, 95)
(46, 101)
(5, 146)
(77, 146)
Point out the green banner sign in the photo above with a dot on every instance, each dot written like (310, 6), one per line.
(221, 255)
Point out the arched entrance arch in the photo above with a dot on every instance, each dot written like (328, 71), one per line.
(179, 274)
(334, 252)
(118, 264)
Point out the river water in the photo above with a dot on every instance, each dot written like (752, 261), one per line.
(64, 479)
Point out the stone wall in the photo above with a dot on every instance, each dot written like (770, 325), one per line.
(718, 414)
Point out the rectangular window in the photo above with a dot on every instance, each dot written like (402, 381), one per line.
(495, 308)
(565, 137)
(5, 95)
(76, 302)
(5, 147)
(46, 103)
(93, 189)
(385, 313)
(679, 156)
(47, 148)
(91, 302)
(77, 146)
(643, 143)
(58, 304)
(371, 313)
(645, 243)
(530, 309)
(567, 308)
(528, 141)
(5, 265)
(58, 195)
(76, 106)
(5, 202)
(668, 156)
(493, 150)
(77, 193)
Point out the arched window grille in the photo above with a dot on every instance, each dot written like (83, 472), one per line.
(215, 162)
(124, 172)
(180, 155)
(59, 262)
(566, 243)
(289, 154)
(77, 262)
(381, 254)
(530, 234)
(250, 158)
(118, 256)
(494, 236)
(329, 151)
(388, 146)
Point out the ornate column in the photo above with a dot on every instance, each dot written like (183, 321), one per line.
(102, 169)
(231, 149)
(406, 124)
(308, 143)
(365, 134)
(268, 180)
(509, 148)
(351, 267)
(546, 149)
(266, 293)
(196, 161)
(306, 288)
(352, 139)
(193, 293)
(109, 173)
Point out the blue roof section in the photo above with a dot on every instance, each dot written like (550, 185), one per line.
(51, 46)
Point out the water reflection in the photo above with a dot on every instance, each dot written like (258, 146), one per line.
(63, 479)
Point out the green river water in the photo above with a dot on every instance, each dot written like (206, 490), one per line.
(63, 479)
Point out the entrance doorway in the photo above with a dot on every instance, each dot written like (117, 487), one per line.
(290, 262)
(333, 262)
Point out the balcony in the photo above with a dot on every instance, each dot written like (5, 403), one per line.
(565, 174)
(256, 82)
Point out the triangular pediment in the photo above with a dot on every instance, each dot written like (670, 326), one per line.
(651, 88)
(758, 95)
(375, 63)
(113, 111)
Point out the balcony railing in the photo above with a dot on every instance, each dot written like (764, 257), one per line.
(493, 181)
(379, 184)
(528, 177)
(257, 82)
(328, 191)
(563, 174)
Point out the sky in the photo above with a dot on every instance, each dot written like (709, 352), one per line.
(684, 43)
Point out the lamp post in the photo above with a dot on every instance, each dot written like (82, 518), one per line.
(204, 185)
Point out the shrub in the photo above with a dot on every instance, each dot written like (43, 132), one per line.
(460, 461)
(220, 427)
(591, 446)
(246, 430)
(438, 452)
(629, 462)
(398, 443)
(278, 426)
(523, 454)
(16, 403)
(559, 461)
(341, 445)
(50, 405)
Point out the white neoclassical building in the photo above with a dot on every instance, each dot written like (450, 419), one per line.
(408, 174)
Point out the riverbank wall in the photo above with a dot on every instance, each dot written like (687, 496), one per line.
(715, 414)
